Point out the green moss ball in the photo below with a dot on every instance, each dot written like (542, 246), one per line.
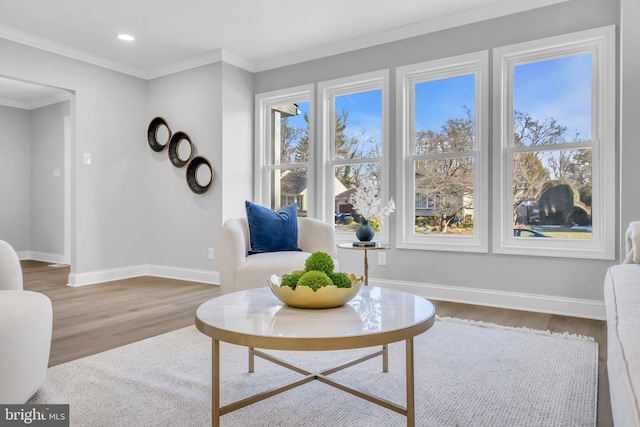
(315, 280)
(319, 261)
(341, 280)
(290, 280)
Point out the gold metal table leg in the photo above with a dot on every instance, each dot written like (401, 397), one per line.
(215, 383)
(251, 359)
(408, 411)
(385, 358)
(411, 411)
(366, 269)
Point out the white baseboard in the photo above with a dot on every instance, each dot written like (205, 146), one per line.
(201, 276)
(95, 277)
(101, 276)
(574, 307)
(41, 256)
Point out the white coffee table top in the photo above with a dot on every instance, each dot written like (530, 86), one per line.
(256, 318)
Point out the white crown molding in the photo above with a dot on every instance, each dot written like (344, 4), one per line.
(498, 9)
(238, 61)
(39, 103)
(186, 64)
(43, 102)
(217, 55)
(210, 57)
(69, 52)
(471, 16)
(12, 103)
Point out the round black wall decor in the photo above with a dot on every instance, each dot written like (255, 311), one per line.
(152, 134)
(199, 175)
(177, 140)
(199, 170)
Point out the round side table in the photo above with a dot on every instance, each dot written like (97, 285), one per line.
(380, 247)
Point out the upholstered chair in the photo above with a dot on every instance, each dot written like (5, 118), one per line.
(26, 320)
(239, 271)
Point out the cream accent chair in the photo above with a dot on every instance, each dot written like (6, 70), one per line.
(26, 320)
(239, 271)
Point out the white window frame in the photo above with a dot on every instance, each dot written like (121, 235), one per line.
(327, 91)
(406, 78)
(263, 145)
(600, 42)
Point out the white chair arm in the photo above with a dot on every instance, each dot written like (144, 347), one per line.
(234, 252)
(26, 320)
(10, 269)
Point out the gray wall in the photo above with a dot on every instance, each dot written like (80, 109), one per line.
(108, 110)
(15, 178)
(47, 192)
(131, 207)
(213, 104)
(32, 212)
(556, 277)
(181, 224)
(630, 113)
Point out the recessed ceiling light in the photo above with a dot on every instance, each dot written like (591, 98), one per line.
(126, 37)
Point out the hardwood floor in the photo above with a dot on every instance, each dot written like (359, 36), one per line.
(92, 319)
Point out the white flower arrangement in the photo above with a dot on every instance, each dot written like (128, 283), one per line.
(367, 204)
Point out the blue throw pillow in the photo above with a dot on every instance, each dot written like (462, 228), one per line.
(271, 231)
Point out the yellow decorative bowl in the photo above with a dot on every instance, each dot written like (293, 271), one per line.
(305, 297)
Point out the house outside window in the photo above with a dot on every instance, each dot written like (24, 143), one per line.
(442, 135)
(555, 119)
(284, 148)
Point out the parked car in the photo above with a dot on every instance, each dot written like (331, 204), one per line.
(528, 232)
(339, 217)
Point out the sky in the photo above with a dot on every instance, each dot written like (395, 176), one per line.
(440, 100)
(559, 89)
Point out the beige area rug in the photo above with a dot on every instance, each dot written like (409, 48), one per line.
(467, 374)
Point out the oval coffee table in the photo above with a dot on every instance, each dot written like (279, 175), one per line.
(255, 318)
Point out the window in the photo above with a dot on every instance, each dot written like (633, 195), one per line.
(555, 120)
(442, 136)
(354, 146)
(283, 151)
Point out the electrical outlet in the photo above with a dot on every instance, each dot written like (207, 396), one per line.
(210, 253)
(382, 258)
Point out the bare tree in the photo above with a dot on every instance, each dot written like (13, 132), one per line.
(449, 181)
(529, 178)
(294, 142)
(532, 171)
(351, 147)
(530, 132)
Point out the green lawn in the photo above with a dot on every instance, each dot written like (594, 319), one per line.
(552, 231)
(564, 232)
